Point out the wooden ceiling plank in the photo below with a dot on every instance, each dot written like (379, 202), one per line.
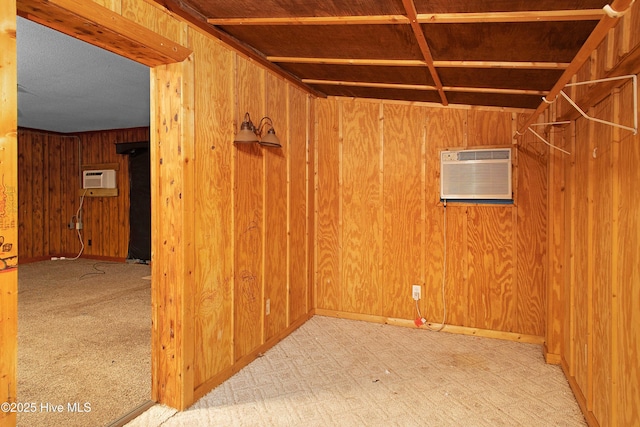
(419, 63)
(597, 36)
(368, 84)
(503, 64)
(422, 87)
(109, 31)
(412, 14)
(349, 61)
(313, 20)
(494, 90)
(522, 16)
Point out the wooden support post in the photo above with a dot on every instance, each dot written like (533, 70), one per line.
(172, 207)
(8, 209)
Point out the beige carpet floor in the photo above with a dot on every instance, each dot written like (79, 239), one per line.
(336, 372)
(84, 341)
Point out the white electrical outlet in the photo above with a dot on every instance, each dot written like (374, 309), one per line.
(417, 292)
(267, 307)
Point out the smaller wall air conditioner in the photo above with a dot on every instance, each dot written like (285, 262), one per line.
(105, 178)
(475, 174)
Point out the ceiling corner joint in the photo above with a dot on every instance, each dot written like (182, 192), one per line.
(612, 13)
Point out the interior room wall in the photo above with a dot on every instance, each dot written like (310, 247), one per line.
(48, 194)
(596, 229)
(232, 226)
(380, 220)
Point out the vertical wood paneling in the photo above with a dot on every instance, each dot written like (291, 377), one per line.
(213, 286)
(55, 194)
(298, 207)
(403, 209)
(328, 251)
(361, 215)
(8, 208)
(483, 278)
(580, 258)
(311, 177)
(445, 129)
(557, 240)
(532, 239)
(49, 197)
(25, 199)
(275, 211)
(602, 228)
(200, 306)
(36, 230)
(628, 274)
(489, 128)
(249, 211)
(492, 303)
(569, 255)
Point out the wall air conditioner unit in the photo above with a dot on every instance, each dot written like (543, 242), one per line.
(105, 178)
(483, 174)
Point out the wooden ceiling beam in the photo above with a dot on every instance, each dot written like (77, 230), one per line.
(110, 31)
(422, 18)
(412, 14)
(522, 16)
(525, 65)
(423, 87)
(313, 20)
(595, 38)
(349, 61)
(421, 63)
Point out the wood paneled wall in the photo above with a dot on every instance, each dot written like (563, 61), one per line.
(232, 226)
(595, 204)
(380, 220)
(49, 177)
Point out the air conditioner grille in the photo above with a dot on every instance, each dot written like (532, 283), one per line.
(475, 174)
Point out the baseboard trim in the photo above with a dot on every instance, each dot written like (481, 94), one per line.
(580, 398)
(551, 358)
(227, 373)
(462, 330)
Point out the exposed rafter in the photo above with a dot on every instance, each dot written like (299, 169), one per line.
(423, 87)
(423, 18)
(314, 20)
(595, 38)
(523, 16)
(412, 14)
(419, 63)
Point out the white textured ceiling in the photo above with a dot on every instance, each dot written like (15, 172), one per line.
(66, 85)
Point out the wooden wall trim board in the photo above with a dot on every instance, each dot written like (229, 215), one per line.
(461, 330)
(112, 32)
(9, 187)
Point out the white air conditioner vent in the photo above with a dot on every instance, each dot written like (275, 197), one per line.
(105, 178)
(475, 174)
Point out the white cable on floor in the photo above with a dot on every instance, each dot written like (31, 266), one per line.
(79, 221)
(444, 276)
